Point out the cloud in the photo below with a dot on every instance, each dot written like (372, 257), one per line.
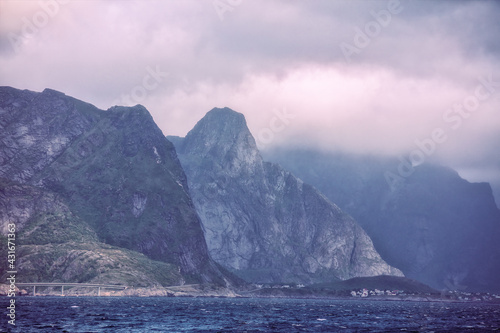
(267, 56)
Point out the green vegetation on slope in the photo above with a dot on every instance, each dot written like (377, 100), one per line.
(93, 263)
(381, 282)
(54, 245)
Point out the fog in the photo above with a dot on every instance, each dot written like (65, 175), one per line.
(379, 77)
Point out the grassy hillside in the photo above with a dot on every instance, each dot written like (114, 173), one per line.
(381, 282)
(55, 245)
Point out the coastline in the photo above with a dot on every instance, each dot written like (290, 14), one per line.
(211, 291)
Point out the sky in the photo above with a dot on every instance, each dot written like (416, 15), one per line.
(416, 79)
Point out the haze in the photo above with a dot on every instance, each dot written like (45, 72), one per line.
(374, 77)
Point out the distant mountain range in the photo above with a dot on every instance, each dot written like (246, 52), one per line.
(433, 225)
(104, 196)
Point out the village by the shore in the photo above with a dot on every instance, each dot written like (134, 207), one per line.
(261, 291)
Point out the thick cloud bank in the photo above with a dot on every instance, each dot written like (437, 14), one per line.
(387, 77)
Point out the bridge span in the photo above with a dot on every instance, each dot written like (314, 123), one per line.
(62, 285)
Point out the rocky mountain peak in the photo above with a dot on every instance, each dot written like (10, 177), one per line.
(52, 92)
(226, 140)
(259, 220)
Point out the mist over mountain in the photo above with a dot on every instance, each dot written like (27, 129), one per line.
(104, 196)
(433, 225)
(262, 222)
(104, 179)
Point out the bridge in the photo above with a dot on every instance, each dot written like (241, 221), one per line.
(62, 285)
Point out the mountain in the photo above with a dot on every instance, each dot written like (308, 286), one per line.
(56, 245)
(426, 220)
(96, 190)
(260, 221)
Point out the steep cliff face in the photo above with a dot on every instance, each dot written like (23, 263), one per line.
(435, 226)
(53, 244)
(261, 221)
(114, 170)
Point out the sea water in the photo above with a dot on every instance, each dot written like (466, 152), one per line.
(183, 314)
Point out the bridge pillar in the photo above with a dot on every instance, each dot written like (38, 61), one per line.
(34, 290)
(98, 291)
(62, 290)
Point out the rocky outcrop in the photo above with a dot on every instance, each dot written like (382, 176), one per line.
(435, 226)
(262, 222)
(112, 169)
(53, 244)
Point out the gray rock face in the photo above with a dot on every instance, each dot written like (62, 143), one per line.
(36, 128)
(434, 226)
(53, 244)
(21, 205)
(113, 169)
(261, 221)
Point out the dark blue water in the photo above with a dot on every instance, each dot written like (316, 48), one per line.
(156, 314)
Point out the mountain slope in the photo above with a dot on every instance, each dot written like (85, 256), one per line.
(435, 226)
(55, 245)
(114, 170)
(261, 221)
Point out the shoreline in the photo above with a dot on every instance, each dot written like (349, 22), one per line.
(226, 293)
(354, 299)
